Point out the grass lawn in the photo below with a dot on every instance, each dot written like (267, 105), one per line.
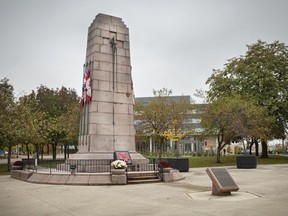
(3, 169)
(230, 160)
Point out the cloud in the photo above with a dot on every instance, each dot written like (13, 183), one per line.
(174, 44)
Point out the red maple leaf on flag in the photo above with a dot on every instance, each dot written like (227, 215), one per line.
(86, 87)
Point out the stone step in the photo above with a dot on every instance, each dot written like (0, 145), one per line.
(143, 181)
(142, 177)
(136, 174)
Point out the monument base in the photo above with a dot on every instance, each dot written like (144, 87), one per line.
(136, 157)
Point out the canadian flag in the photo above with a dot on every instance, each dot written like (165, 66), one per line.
(86, 87)
(88, 84)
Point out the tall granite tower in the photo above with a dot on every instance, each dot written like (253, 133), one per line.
(107, 118)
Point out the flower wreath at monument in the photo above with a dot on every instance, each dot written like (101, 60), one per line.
(164, 164)
(119, 164)
(123, 156)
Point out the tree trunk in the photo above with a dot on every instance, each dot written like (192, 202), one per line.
(9, 157)
(27, 149)
(250, 146)
(218, 153)
(68, 151)
(256, 147)
(42, 152)
(65, 151)
(48, 149)
(54, 149)
(283, 146)
(177, 149)
(37, 151)
(160, 148)
(219, 147)
(264, 149)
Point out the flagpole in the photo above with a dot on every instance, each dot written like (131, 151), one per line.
(84, 106)
(90, 88)
(83, 120)
(82, 112)
(86, 122)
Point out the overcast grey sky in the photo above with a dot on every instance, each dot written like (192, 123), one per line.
(174, 43)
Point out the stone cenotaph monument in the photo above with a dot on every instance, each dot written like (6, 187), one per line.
(107, 116)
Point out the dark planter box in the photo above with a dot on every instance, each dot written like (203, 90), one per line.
(246, 162)
(182, 164)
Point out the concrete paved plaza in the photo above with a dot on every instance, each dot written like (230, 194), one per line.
(263, 191)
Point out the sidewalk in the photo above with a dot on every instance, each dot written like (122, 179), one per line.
(13, 159)
(263, 191)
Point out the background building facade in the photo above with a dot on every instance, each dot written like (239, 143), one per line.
(194, 141)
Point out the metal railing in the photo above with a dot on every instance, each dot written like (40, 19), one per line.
(87, 166)
(49, 165)
(72, 166)
(29, 163)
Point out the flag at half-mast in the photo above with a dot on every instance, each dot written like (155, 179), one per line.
(86, 87)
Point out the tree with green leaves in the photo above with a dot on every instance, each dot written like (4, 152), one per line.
(6, 107)
(8, 118)
(260, 74)
(46, 117)
(162, 117)
(60, 108)
(153, 117)
(234, 118)
(69, 122)
(178, 114)
(32, 124)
